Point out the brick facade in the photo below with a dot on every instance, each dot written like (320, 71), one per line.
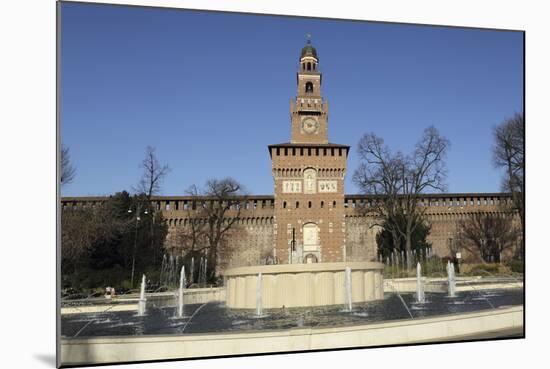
(253, 240)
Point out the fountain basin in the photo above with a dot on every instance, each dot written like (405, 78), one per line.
(299, 285)
(490, 323)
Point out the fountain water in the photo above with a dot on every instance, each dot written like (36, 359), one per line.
(163, 269)
(259, 295)
(204, 271)
(180, 292)
(451, 279)
(142, 299)
(193, 315)
(199, 271)
(507, 278)
(347, 290)
(401, 299)
(192, 274)
(203, 265)
(169, 270)
(420, 298)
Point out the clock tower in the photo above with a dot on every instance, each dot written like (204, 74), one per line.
(308, 175)
(308, 110)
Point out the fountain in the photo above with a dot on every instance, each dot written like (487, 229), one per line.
(310, 295)
(162, 269)
(169, 270)
(169, 275)
(259, 295)
(203, 264)
(199, 271)
(299, 285)
(347, 289)
(142, 299)
(180, 292)
(451, 279)
(192, 275)
(204, 271)
(420, 298)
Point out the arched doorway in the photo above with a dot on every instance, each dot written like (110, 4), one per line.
(311, 240)
(310, 259)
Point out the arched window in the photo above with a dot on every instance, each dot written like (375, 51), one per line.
(309, 87)
(309, 204)
(297, 204)
(322, 204)
(308, 66)
(284, 204)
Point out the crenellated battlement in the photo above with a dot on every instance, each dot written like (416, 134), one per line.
(263, 205)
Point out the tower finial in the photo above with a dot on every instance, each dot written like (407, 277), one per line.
(308, 35)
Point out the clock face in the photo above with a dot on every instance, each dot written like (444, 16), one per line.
(310, 125)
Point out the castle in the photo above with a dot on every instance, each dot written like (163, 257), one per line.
(309, 218)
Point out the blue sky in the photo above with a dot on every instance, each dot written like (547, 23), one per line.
(211, 90)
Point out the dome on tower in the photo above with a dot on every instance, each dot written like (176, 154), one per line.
(309, 50)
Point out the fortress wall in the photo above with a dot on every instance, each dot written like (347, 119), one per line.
(361, 238)
(252, 239)
(442, 211)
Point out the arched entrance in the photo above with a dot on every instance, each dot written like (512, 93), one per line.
(311, 242)
(310, 259)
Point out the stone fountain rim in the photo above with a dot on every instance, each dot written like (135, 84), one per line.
(303, 268)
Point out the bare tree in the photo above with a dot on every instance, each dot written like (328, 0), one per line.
(379, 174)
(150, 184)
(68, 171)
(509, 154)
(191, 238)
(425, 171)
(218, 208)
(487, 236)
(399, 181)
(153, 174)
(227, 197)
